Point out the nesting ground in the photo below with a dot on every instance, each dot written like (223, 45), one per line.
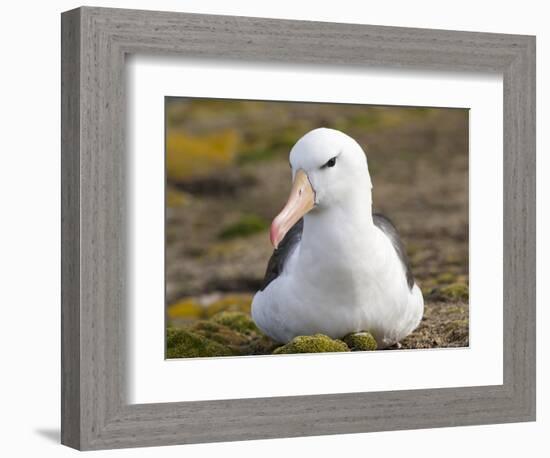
(228, 175)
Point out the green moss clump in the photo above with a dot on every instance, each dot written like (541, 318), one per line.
(181, 343)
(225, 334)
(247, 225)
(456, 291)
(318, 343)
(221, 334)
(237, 321)
(453, 292)
(361, 341)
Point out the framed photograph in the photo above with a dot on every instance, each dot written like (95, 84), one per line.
(277, 228)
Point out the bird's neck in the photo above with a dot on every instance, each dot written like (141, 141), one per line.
(345, 227)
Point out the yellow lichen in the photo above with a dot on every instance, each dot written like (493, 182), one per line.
(195, 156)
(236, 302)
(185, 308)
(204, 308)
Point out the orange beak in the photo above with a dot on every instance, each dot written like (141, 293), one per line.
(300, 201)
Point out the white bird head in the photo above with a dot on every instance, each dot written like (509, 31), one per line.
(328, 168)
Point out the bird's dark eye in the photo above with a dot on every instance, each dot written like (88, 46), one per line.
(330, 163)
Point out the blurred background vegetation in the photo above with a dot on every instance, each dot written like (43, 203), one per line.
(228, 175)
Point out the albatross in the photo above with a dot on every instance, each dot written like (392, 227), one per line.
(337, 267)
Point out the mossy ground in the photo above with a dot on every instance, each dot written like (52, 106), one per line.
(182, 343)
(443, 325)
(228, 175)
(235, 334)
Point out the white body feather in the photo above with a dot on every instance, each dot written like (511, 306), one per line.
(339, 282)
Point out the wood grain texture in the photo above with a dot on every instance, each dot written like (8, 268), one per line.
(70, 229)
(95, 410)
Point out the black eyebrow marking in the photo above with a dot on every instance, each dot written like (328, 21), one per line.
(330, 163)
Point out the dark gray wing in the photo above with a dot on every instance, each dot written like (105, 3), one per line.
(389, 229)
(277, 261)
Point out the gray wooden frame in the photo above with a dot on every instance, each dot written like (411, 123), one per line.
(95, 41)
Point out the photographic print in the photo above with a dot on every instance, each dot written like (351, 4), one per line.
(303, 234)
(300, 227)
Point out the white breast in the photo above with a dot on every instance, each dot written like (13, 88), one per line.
(339, 284)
